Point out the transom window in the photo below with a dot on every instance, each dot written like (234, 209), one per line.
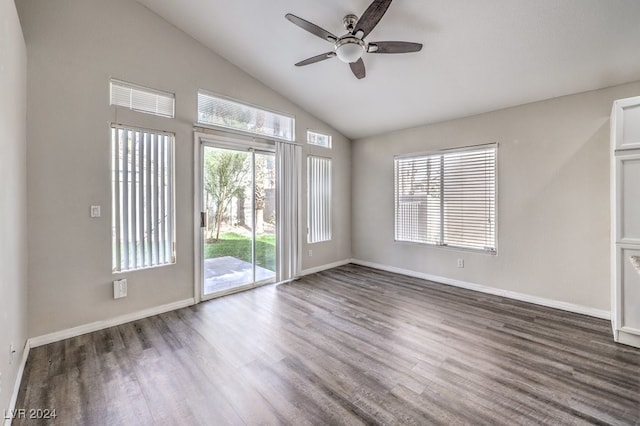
(319, 139)
(447, 198)
(141, 99)
(222, 112)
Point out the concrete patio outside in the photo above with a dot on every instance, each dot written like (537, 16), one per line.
(227, 272)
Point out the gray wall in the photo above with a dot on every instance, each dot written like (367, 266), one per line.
(553, 198)
(13, 199)
(74, 47)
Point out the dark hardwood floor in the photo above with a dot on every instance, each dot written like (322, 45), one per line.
(351, 345)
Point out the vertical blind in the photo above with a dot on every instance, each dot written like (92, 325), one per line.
(142, 198)
(447, 198)
(143, 99)
(288, 178)
(319, 199)
(217, 111)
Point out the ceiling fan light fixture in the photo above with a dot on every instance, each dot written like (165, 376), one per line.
(349, 49)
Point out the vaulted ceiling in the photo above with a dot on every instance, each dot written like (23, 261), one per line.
(478, 55)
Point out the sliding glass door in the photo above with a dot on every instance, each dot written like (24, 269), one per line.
(238, 223)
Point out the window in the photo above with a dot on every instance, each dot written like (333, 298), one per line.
(318, 199)
(217, 111)
(142, 99)
(318, 139)
(447, 198)
(142, 198)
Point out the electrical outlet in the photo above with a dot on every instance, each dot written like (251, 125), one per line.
(120, 288)
(460, 263)
(310, 252)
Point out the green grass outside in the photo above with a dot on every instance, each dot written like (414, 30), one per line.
(239, 246)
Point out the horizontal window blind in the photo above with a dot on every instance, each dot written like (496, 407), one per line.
(142, 198)
(319, 139)
(216, 111)
(142, 99)
(447, 198)
(469, 191)
(319, 199)
(418, 199)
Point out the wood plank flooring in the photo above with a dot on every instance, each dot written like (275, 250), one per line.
(351, 345)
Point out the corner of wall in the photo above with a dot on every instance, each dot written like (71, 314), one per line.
(13, 228)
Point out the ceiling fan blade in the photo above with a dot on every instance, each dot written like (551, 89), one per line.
(393, 47)
(370, 18)
(316, 58)
(358, 69)
(312, 28)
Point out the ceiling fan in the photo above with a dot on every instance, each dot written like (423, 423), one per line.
(350, 47)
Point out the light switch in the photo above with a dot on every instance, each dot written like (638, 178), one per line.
(95, 211)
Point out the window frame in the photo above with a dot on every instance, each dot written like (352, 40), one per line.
(116, 219)
(442, 153)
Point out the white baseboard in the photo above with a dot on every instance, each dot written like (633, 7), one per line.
(101, 325)
(570, 307)
(16, 386)
(324, 267)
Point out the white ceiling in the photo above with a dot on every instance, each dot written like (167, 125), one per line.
(478, 56)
